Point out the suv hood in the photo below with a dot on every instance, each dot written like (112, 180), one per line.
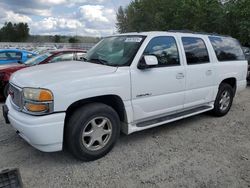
(47, 74)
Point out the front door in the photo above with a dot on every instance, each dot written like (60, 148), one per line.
(159, 90)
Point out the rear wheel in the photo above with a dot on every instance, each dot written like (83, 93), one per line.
(92, 131)
(223, 100)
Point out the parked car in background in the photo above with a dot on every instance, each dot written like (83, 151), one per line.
(247, 54)
(8, 56)
(49, 57)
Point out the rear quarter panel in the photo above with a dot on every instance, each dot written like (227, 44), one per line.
(232, 69)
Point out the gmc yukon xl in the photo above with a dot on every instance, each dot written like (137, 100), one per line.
(127, 82)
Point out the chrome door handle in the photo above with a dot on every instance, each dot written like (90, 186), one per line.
(209, 72)
(180, 76)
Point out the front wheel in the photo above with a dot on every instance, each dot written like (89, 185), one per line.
(223, 100)
(92, 131)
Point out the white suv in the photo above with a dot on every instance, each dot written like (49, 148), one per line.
(128, 82)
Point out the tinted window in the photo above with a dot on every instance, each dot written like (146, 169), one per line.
(195, 50)
(165, 49)
(227, 49)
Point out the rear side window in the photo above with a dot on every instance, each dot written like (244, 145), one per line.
(227, 49)
(195, 50)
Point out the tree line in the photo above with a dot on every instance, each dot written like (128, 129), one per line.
(14, 32)
(228, 17)
(19, 32)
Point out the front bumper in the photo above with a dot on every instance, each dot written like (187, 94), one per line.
(45, 133)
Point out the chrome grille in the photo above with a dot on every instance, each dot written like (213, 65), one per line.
(16, 95)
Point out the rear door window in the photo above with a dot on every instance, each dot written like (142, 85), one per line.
(227, 49)
(195, 50)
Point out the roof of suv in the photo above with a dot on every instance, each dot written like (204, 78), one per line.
(176, 32)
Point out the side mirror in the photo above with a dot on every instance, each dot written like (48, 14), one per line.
(147, 61)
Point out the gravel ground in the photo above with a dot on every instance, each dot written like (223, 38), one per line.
(200, 151)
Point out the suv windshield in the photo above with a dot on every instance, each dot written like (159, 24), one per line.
(115, 51)
(37, 59)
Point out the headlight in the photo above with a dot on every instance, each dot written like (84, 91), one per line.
(37, 101)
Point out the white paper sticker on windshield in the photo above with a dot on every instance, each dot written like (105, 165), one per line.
(133, 39)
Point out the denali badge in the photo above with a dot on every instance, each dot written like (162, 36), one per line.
(144, 95)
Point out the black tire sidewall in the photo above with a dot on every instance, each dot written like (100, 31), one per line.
(223, 87)
(84, 115)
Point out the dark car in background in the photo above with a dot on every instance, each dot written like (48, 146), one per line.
(247, 54)
(49, 57)
(8, 56)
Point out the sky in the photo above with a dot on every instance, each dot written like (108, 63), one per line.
(64, 17)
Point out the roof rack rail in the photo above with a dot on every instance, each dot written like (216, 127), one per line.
(181, 31)
(193, 32)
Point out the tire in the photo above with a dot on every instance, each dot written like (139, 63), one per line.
(6, 90)
(224, 100)
(92, 131)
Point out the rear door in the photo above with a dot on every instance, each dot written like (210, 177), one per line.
(199, 72)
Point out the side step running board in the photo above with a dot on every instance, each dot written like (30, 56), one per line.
(173, 116)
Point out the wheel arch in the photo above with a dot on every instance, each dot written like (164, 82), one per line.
(232, 81)
(113, 101)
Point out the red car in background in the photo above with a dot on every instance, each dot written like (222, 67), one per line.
(49, 57)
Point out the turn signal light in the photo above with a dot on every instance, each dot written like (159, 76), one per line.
(45, 95)
(36, 107)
